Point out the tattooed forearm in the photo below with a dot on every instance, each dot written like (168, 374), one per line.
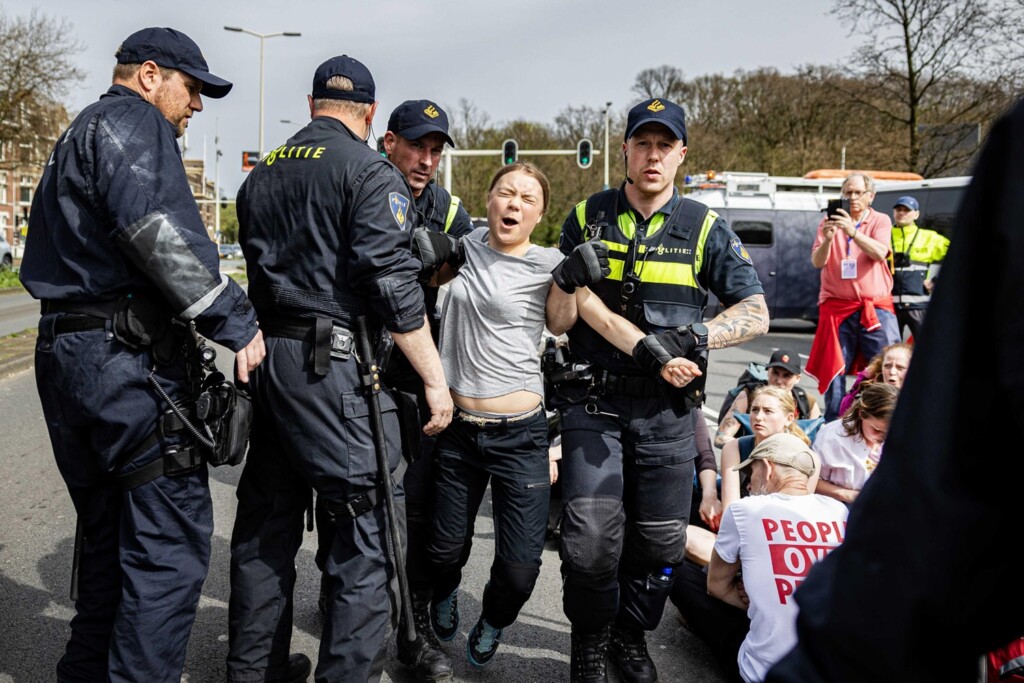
(739, 323)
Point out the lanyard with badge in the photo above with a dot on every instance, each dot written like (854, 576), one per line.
(849, 264)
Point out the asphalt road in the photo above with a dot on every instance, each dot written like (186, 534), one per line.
(37, 527)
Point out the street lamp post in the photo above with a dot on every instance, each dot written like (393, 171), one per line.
(607, 155)
(262, 37)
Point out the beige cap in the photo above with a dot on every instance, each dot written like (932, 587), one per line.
(783, 449)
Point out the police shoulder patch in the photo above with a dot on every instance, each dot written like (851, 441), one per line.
(740, 250)
(399, 205)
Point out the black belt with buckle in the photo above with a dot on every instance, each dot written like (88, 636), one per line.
(67, 324)
(634, 387)
(329, 339)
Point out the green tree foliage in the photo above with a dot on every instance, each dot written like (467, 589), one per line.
(228, 224)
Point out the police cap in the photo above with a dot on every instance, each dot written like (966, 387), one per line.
(657, 110)
(413, 119)
(363, 88)
(172, 50)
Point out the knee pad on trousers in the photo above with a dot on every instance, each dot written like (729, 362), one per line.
(652, 546)
(592, 532)
(514, 577)
(508, 590)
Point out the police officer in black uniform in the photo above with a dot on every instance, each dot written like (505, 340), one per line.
(415, 139)
(325, 225)
(119, 256)
(627, 442)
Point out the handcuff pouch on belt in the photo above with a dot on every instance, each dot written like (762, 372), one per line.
(226, 411)
(568, 379)
(140, 322)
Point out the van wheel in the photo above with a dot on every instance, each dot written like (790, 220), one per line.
(6, 263)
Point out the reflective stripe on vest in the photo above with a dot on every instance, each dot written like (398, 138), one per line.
(668, 295)
(453, 208)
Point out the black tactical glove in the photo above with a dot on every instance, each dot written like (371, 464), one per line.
(587, 264)
(434, 249)
(655, 350)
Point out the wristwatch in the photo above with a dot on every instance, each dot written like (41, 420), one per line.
(700, 335)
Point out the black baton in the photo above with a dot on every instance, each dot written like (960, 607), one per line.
(76, 558)
(369, 373)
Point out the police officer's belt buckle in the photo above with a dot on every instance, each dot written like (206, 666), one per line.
(341, 343)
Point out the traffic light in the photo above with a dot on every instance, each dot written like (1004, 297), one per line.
(509, 152)
(584, 153)
(380, 146)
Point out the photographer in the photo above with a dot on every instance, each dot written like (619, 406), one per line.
(855, 311)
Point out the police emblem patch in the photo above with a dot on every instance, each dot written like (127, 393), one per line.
(399, 207)
(656, 106)
(740, 250)
(431, 112)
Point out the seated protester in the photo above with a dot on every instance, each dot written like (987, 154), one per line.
(783, 371)
(851, 447)
(745, 609)
(772, 411)
(889, 366)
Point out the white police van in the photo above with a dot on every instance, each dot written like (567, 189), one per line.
(777, 219)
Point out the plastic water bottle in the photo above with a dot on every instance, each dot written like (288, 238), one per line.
(666, 575)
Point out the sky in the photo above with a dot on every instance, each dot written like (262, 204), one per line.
(512, 60)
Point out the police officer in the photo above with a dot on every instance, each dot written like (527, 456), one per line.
(116, 249)
(628, 444)
(325, 225)
(917, 254)
(416, 135)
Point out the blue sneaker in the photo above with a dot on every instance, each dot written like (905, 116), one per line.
(483, 643)
(444, 616)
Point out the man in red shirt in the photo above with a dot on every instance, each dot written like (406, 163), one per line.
(856, 318)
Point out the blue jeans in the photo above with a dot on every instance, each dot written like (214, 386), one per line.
(853, 338)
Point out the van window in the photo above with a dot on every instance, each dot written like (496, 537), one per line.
(753, 233)
(941, 209)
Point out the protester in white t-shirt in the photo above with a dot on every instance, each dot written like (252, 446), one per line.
(767, 543)
(850, 448)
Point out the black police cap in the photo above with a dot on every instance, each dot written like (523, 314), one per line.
(172, 50)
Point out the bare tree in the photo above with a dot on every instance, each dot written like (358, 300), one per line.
(38, 66)
(912, 48)
(663, 81)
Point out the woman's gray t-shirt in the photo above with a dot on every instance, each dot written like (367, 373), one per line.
(493, 319)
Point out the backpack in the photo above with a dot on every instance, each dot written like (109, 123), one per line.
(755, 375)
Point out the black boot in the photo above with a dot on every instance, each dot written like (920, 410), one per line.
(424, 656)
(587, 660)
(628, 649)
(298, 669)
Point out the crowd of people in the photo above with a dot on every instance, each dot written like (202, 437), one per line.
(126, 273)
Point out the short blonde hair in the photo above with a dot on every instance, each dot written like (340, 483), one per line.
(344, 107)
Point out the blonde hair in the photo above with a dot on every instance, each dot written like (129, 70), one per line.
(788, 403)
